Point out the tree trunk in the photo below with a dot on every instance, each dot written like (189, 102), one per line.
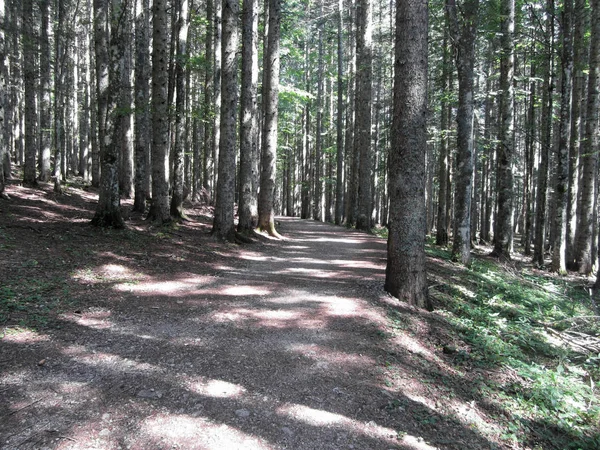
(405, 271)
(3, 100)
(109, 66)
(503, 224)
(317, 179)
(223, 226)
(29, 41)
(181, 94)
(441, 235)
(142, 98)
(216, 134)
(45, 91)
(125, 106)
(559, 245)
(363, 102)
(159, 210)
(339, 154)
(584, 259)
(248, 200)
(266, 218)
(464, 37)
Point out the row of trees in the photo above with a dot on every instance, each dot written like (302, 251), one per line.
(145, 103)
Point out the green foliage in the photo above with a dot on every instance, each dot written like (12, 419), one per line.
(509, 320)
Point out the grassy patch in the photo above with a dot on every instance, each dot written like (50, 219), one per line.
(509, 320)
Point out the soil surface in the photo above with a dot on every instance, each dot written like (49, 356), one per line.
(161, 338)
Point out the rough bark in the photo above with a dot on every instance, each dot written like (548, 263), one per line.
(405, 271)
(559, 244)
(248, 200)
(363, 102)
(505, 148)
(584, 259)
(463, 37)
(142, 98)
(2, 99)
(108, 25)
(29, 41)
(223, 225)
(45, 91)
(339, 154)
(181, 94)
(159, 210)
(266, 198)
(441, 235)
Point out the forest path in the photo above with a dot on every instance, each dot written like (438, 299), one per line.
(178, 341)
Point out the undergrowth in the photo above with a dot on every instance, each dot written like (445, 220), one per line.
(509, 319)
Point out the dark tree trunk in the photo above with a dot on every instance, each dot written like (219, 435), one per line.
(405, 272)
(29, 41)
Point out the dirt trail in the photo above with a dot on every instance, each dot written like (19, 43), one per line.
(282, 344)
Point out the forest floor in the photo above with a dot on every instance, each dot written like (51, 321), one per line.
(158, 338)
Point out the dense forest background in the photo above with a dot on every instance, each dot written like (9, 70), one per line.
(287, 108)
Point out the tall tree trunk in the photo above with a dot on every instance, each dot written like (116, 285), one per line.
(559, 245)
(3, 99)
(60, 55)
(125, 106)
(159, 210)
(464, 37)
(45, 90)
(317, 179)
(216, 133)
(362, 133)
(405, 271)
(586, 211)
(503, 224)
(84, 87)
(441, 235)
(339, 154)
(248, 200)
(266, 215)
(181, 94)
(223, 225)
(208, 98)
(142, 98)
(530, 139)
(545, 144)
(29, 41)
(109, 23)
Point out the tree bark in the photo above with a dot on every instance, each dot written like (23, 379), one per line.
(266, 198)
(45, 91)
(248, 200)
(503, 224)
(584, 259)
(29, 41)
(159, 210)
(405, 271)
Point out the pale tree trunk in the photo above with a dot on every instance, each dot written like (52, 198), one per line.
(559, 245)
(266, 198)
(84, 30)
(60, 55)
(181, 94)
(45, 91)
(248, 200)
(142, 98)
(539, 243)
(109, 24)
(586, 210)
(29, 42)
(125, 105)
(464, 34)
(339, 154)
(159, 210)
(405, 272)
(208, 98)
(579, 52)
(223, 225)
(362, 132)
(350, 151)
(305, 189)
(503, 223)
(530, 139)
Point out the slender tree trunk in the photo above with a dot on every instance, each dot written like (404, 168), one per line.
(559, 245)
(362, 133)
(248, 203)
(266, 215)
(464, 36)
(125, 106)
(545, 145)
(216, 134)
(142, 98)
(84, 87)
(503, 223)
(181, 94)
(3, 100)
(45, 91)
(530, 139)
(208, 97)
(159, 210)
(317, 179)
(29, 41)
(405, 272)
(441, 236)
(223, 225)
(339, 154)
(584, 259)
